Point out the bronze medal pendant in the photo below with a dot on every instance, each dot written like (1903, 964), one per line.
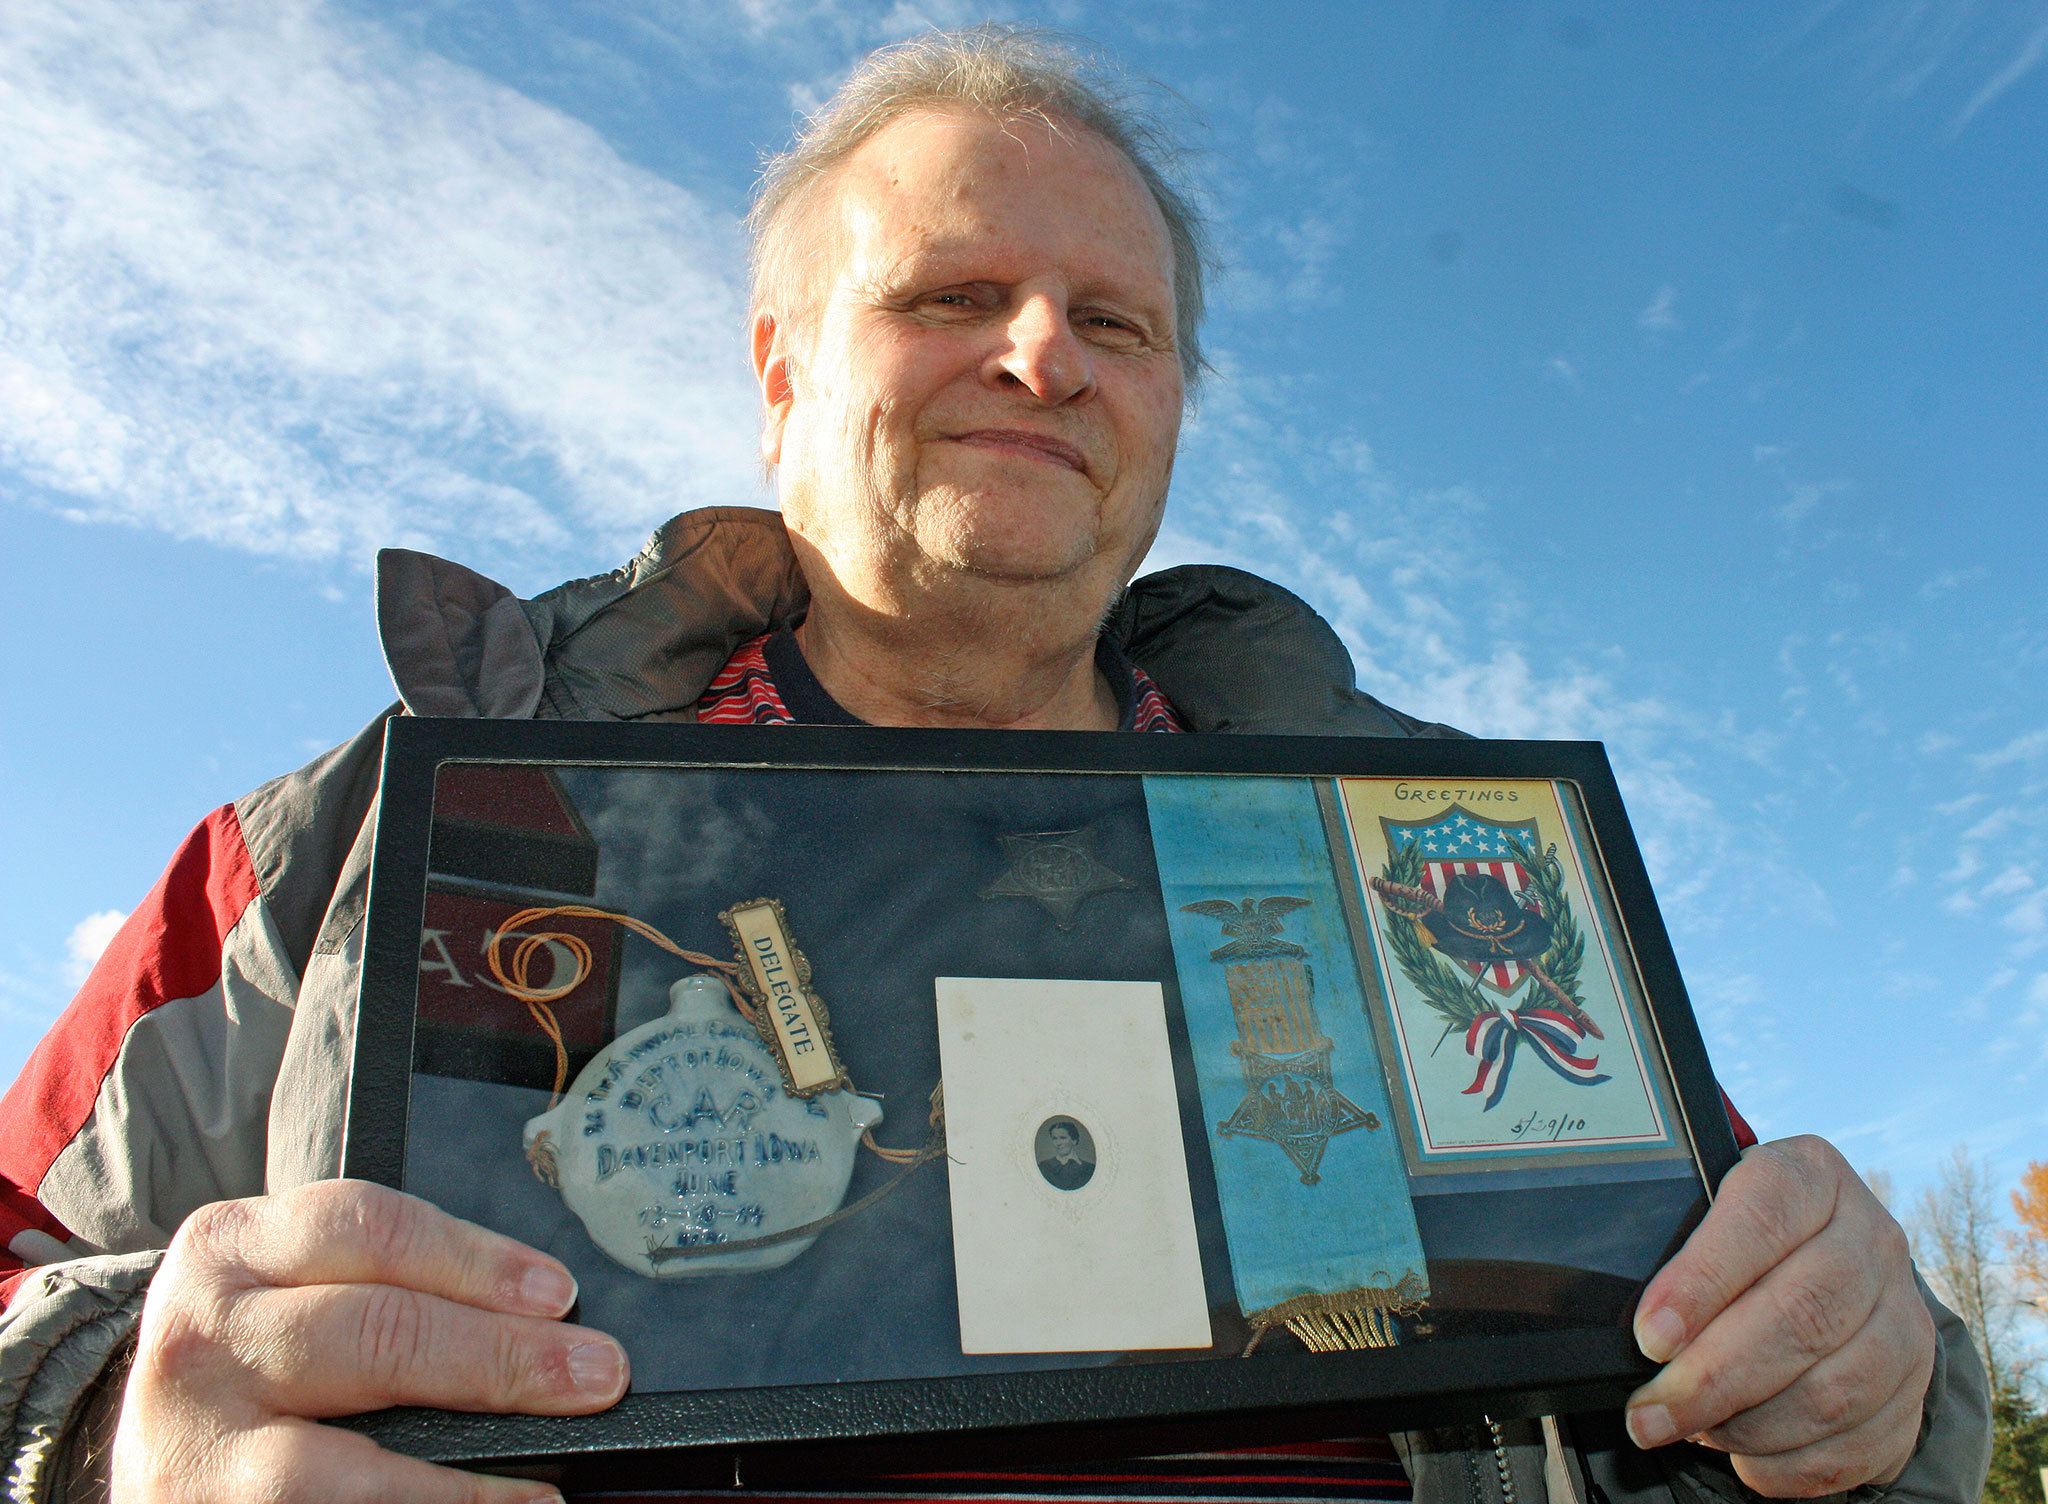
(1056, 869)
(1290, 1099)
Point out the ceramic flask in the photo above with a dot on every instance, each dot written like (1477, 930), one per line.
(679, 1135)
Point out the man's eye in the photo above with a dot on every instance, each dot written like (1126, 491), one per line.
(1107, 328)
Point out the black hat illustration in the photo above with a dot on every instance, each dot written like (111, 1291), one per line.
(1481, 922)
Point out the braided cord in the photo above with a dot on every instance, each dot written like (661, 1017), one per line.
(512, 975)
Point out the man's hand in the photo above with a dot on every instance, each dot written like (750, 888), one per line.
(333, 1299)
(1791, 1331)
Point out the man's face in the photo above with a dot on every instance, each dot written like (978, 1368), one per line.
(990, 385)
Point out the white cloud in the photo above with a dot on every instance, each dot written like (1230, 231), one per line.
(282, 283)
(1803, 499)
(1936, 586)
(87, 939)
(825, 38)
(2020, 749)
(1911, 50)
(2028, 918)
(2025, 60)
(1308, 246)
(2014, 879)
(1660, 316)
(1967, 865)
(1443, 633)
(1996, 823)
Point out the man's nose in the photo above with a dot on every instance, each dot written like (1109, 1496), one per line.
(1043, 355)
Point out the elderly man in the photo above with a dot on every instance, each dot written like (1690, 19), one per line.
(974, 332)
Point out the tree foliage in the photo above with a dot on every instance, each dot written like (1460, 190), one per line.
(1956, 1242)
(2029, 1245)
(1954, 1228)
(2019, 1447)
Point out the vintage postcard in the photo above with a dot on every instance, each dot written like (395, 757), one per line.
(1514, 1011)
(1073, 1224)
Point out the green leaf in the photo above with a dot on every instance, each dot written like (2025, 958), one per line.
(1567, 952)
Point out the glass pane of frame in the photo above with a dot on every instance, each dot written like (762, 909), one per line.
(822, 1074)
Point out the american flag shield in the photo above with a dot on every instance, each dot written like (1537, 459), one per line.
(1461, 843)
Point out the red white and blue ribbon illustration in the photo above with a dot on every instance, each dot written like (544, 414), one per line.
(1493, 1038)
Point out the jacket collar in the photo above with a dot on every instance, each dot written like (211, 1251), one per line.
(1232, 652)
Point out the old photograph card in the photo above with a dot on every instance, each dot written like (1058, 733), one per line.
(1073, 1225)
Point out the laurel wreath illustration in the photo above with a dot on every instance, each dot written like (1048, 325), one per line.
(1454, 992)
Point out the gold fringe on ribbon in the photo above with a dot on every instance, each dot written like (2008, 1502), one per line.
(1344, 1320)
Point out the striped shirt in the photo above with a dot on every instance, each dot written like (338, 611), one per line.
(1364, 1469)
(768, 683)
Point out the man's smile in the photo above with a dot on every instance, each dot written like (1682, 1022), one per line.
(1018, 441)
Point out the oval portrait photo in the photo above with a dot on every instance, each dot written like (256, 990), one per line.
(1066, 1153)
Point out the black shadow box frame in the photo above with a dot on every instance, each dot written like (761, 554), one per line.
(1565, 1347)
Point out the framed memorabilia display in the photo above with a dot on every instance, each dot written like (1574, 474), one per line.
(890, 1091)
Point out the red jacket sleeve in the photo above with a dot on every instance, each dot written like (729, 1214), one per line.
(1745, 1136)
(168, 954)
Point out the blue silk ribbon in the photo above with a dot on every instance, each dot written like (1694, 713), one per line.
(1303, 1236)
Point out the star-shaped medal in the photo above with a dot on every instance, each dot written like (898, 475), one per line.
(1294, 1104)
(1056, 869)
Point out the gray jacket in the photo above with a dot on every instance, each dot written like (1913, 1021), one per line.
(239, 1087)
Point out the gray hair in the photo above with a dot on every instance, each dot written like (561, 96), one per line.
(1007, 72)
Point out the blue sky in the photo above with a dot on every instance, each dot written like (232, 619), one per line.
(1671, 377)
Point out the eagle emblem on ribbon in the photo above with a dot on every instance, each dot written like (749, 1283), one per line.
(1482, 927)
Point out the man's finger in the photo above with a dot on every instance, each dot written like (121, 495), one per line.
(1780, 1195)
(1777, 1331)
(1833, 1396)
(1892, 1356)
(329, 1350)
(337, 1232)
(1875, 1452)
(345, 1468)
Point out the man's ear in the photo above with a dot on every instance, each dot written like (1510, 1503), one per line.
(774, 373)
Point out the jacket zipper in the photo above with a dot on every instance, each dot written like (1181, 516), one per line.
(1500, 1462)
